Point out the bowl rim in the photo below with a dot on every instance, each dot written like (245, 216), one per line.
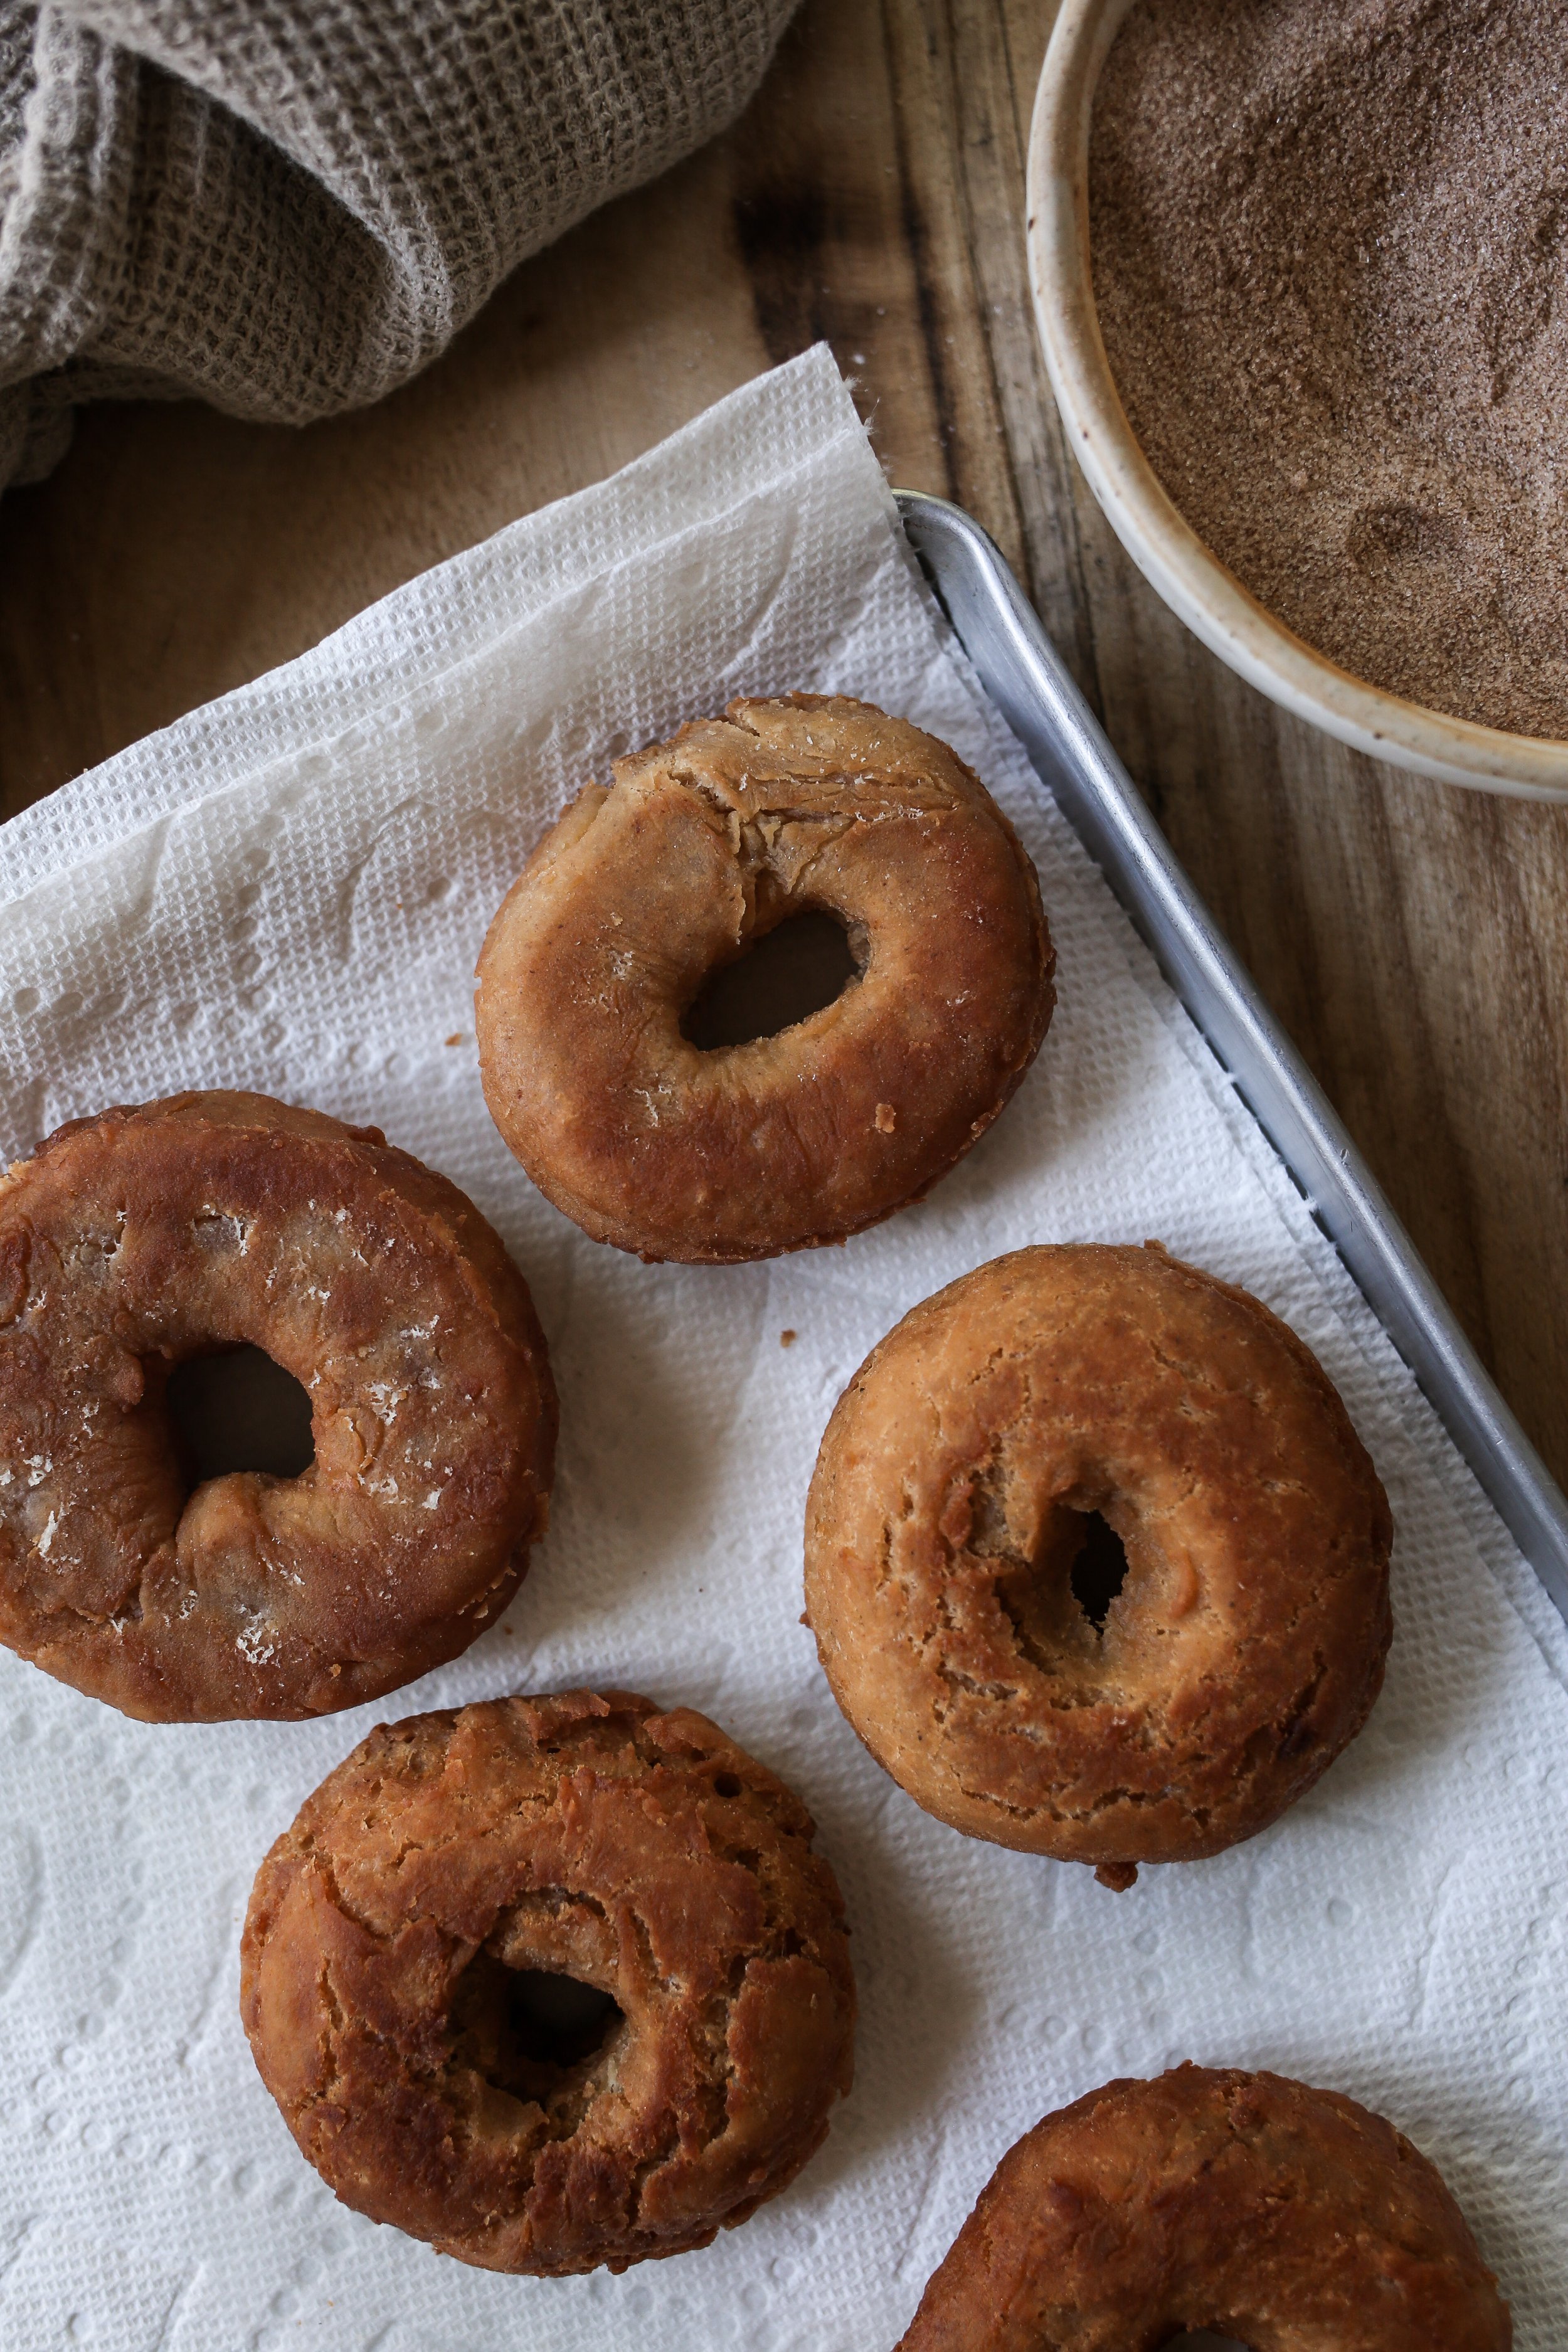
(1196, 586)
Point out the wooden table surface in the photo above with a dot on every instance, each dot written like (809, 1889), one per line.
(1413, 938)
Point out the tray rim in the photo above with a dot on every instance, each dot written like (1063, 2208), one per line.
(1026, 676)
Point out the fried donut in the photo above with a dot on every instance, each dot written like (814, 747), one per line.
(402, 1967)
(703, 846)
(132, 1242)
(1288, 2218)
(1055, 1396)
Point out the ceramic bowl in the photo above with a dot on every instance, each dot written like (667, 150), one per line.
(1194, 583)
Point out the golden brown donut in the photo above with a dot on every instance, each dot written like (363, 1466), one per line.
(1290, 2219)
(953, 1496)
(702, 846)
(134, 1241)
(391, 1986)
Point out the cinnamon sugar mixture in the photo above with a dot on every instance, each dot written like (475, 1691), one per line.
(1329, 241)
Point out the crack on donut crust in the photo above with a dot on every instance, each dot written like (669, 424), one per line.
(947, 1598)
(561, 2111)
(1136, 1798)
(318, 1856)
(1211, 2199)
(642, 2238)
(745, 1823)
(955, 1680)
(330, 2039)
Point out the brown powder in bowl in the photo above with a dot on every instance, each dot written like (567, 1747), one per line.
(1330, 241)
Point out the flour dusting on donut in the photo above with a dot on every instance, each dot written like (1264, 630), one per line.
(1287, 2218)
(1068, 1399)
(702, 846)
(136, 1240)
(450, 1894)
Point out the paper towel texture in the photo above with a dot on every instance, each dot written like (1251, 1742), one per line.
(286, 891)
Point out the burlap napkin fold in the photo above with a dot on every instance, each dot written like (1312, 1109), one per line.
(287, 206)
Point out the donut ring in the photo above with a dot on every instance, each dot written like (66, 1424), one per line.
(948, 1507)
(640, 1853)
(132, 1241)
(1248, 2204)
(702, 846)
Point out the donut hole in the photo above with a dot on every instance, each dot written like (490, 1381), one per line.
(1100, 1569)
(1200, 2340)
(235, 1409)
(784, 975)
(1057, 1601)
(530, 2033)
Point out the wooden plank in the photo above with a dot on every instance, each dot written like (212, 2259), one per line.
(176, 553)
(1413, 937)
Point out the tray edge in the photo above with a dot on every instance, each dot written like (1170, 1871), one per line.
(1026, 676)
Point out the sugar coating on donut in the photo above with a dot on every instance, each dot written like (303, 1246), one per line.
(703, 846)
(134, 1241)
(953, 1492)
(1290, 2219)
(586, 1836)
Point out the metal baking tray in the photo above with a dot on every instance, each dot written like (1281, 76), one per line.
(1026, 678)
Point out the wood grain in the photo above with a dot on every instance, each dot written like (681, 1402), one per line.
(1413, 937)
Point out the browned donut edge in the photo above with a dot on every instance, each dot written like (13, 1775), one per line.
(595, 1835)
(693, 1248)
(847, 1649)
(128, 1672)
(1208, 2198)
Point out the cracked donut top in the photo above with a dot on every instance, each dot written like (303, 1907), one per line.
(136, 1241)
(702, 846)
(1056, 1409)
(1290, 2219)
(551, 1982)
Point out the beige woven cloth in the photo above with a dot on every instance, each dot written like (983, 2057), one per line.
(287, 206)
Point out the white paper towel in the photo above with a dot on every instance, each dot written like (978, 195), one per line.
(286, 891)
